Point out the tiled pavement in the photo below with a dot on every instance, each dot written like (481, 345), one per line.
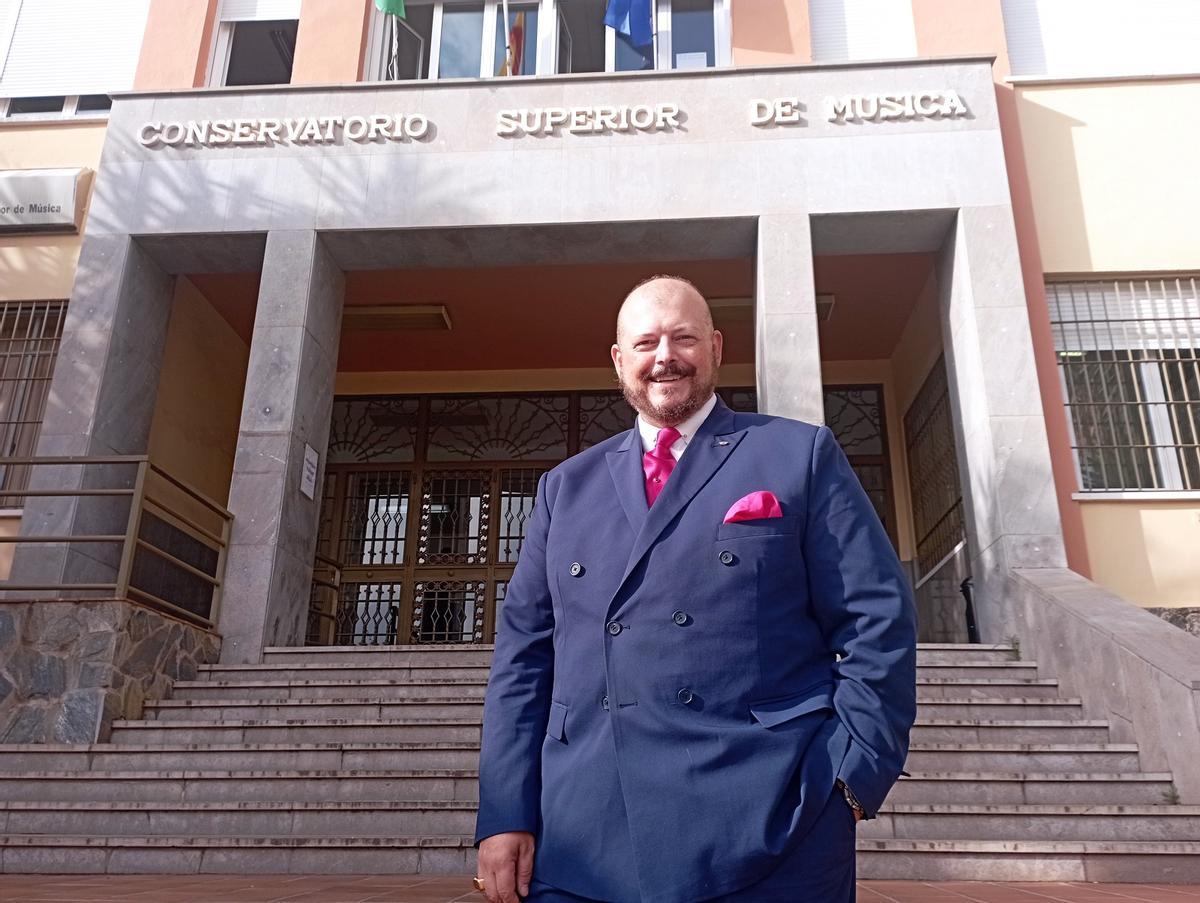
(420, 889)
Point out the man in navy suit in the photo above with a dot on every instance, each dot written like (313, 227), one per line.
(705, 664)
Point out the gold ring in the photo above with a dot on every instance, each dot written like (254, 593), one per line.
(478, 884)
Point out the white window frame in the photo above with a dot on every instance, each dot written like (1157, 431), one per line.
(69, 111)
(218, 63)
(374, 64)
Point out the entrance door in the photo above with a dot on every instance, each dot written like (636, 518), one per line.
(426, 503)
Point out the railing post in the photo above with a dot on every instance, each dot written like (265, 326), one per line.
(132, 528)
(219, 589)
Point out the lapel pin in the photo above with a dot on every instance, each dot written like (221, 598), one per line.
(722, 442)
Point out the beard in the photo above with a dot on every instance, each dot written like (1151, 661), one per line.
(637, 392)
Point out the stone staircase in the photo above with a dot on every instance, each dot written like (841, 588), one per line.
(364, 760)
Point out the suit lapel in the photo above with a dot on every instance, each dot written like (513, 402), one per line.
(708, 450)
(625, 468)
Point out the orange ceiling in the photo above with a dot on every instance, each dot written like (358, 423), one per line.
(562, 316)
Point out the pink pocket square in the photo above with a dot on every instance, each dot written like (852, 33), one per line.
(754, 506)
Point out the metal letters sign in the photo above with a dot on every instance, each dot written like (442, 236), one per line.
(42, 200)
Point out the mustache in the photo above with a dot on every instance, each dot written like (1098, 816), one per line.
(669, 370)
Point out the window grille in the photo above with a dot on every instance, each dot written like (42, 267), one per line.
(30, 332)
(1129, 360)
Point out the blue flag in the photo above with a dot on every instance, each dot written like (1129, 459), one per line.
(633, 19)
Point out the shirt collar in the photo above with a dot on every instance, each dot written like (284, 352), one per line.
(687, 429)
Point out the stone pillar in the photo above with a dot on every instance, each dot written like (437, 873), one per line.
(1003, 456)
(287, 406)
(101, 402)
(787, 352)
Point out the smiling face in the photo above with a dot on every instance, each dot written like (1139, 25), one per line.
(667, 352)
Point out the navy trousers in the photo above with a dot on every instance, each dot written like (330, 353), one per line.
(820, 870)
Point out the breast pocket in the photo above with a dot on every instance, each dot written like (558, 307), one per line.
(766, 526)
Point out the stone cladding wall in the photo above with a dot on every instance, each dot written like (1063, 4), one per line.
(68, 669)
(1184, 618)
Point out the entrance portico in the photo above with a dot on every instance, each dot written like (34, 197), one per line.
(707, 183)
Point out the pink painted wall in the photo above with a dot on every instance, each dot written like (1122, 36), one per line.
(769, 32)
(954, 28)
(176, 45)
(331, 41)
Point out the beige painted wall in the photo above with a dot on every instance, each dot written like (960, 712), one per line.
(1146, 551)
(194, 434)
(41, 267)
(1112, 170)
(9, 526)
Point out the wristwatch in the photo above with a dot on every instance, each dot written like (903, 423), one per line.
(851, 799)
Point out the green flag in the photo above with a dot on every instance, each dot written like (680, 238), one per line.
(391, 7)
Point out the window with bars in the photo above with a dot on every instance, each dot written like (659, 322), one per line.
(1129, 360)
(30, 332)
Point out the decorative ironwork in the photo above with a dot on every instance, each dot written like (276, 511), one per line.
(455, 510)
(448, 611)
(501, 595)
(518, 492)
(376, 513)
(368, 614)
(1129, 359)
(933, 471)
(602, 416)
(855, 414)
(30, 332)
(374, 430)
(498, 428)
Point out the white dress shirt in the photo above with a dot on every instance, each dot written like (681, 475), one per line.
(687, 429)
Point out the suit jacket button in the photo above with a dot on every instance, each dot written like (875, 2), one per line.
(576, 569)
(613, 628)
(685, 696)
(679, 617)
(726, 557)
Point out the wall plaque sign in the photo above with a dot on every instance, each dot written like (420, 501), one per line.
(42, 200)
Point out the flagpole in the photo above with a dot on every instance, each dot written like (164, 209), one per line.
(508, 42)
(654, 29)
(395, 48)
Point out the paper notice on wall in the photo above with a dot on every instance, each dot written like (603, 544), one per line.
(308, 477)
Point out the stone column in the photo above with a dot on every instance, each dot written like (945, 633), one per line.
(101, 402)
(787, 352)
(1003, 455)
(287, 406)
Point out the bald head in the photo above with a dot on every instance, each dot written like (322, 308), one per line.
(664, 291)
(667, 352)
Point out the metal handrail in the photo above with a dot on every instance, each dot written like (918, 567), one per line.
(130, 540)
(334, 584)
(953, 553)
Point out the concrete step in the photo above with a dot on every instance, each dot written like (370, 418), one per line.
(1036, 860)
(1074, 757)
(1164, 823)
(992, 709)
(1033, 788)
(977, 669)
(443, 654)
(985, 688)
(1027, 731)
(396, 730)
(370, 690)
(334, 671)
(481, 654)
(327, 689)
(185, 854)
(312, 709)
(471, 706)
(250, 819)
(440, 755)
(925, 860)
(405, 756)
(310, 786)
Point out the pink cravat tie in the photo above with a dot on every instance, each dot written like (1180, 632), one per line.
(659, 462)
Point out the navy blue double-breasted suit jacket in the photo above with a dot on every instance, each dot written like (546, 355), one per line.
(672, 697)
